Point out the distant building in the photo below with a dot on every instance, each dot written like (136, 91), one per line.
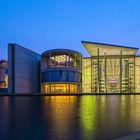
(3, 74)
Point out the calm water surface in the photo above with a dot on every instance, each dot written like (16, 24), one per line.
(68, 117)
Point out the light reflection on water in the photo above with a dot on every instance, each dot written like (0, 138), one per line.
(68, 117)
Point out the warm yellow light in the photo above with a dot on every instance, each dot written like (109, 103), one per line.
(6, 80)
(61, 88)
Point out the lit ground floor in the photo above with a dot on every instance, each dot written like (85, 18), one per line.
(61, 88)
(111, 74)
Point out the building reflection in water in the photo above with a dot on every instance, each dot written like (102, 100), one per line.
(62, 111)
(20, 117)
(108, 116)
(69, 117)
(4, 114)
(87, 116)
(130, 112)
(90, 117)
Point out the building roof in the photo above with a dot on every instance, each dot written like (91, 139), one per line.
(59, 51)
(109, 49)
(3, 63)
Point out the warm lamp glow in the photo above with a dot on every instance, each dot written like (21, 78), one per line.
(61, 88)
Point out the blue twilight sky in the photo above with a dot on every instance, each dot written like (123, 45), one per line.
(45, 24)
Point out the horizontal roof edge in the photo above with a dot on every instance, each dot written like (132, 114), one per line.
(15, 44)
(60, 50)
(109, 45)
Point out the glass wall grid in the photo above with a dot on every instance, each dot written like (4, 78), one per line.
(105, 76)
(61, 76)
(61, 71)
(61, 88)
(86, 75)
(118, 78)
(137, 74)
(128, 67)
(71, 60)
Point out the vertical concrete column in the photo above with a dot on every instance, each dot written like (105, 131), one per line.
(91, 74)
(67, 59)
(105, 72)
(11, 68)
(98, 60)
(75, 61)
(80, 68)
(134, 73)
(121, 71)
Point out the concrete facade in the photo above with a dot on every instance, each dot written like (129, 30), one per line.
(23, 70)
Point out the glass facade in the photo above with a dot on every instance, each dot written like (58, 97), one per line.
(112, 74)
(108, 76)
(110, 69)
(61, 88)
(61, 76)
(86, 75)
(137, 74)
(62, 59)
(61, 71)
(103, 73)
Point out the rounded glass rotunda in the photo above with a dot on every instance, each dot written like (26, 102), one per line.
(61, 71)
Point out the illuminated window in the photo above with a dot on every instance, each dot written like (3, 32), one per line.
(61, 88)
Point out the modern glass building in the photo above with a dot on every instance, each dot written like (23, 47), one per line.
(61, 71)
(109, 69)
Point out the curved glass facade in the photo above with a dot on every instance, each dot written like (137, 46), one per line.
(61, 88)
(61, 71)
(61, 59)
(61, 76)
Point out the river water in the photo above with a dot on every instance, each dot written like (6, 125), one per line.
(68, 117)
